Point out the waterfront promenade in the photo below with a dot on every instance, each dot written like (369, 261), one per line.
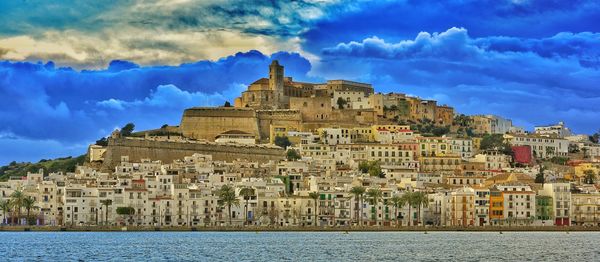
(300, 229)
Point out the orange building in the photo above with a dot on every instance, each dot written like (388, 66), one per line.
(496, 205)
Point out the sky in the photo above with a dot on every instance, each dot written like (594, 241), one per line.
(73, 71)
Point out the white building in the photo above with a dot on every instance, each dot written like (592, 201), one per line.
(462, 147)
(557, 130)
(541, 147)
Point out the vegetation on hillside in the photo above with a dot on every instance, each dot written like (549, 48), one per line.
(428, 128)
(282, 141)
(495, 142)
(64, 164)
(292, 155)
(373, 168)
(595, 138)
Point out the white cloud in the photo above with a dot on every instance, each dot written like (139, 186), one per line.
(166, 32)
(171, 97)
(87, 50)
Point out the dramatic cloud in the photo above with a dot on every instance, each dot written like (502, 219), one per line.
(397, 20)
(533, 81)
(45, 103)
(452, 44)
(89, 35)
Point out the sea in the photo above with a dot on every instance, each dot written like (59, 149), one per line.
(299, 246)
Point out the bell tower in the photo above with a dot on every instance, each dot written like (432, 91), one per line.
(276, 82)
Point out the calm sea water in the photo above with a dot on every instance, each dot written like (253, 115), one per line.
(298, 246)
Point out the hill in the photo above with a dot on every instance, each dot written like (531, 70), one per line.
(64, 164)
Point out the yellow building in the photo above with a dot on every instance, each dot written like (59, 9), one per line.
(276, 131)
(444, 115)
(434, 146)
(476, 143)
(421, 109)
(440, 163)
(388, 128)
(364, 134)
(586, 208)
(482, 124)
(583, 167)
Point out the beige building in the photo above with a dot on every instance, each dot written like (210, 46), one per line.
(461, 207)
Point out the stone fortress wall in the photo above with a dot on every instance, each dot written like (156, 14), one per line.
(167, 151)
(284, 117)
(208, 122)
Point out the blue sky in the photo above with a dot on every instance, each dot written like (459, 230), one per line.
(72, 71)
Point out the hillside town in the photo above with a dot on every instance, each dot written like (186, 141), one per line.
(334, 154)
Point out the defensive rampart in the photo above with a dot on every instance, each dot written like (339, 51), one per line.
(284, 117)
(208, 122)
(167, 151)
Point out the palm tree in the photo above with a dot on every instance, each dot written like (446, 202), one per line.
(5, 206)
(106, 203)
(228, 198)
(419, 200)
(375, 196)
(315, 197)
(17, 201)
(28, 204)
(246, 192)
(408, 198)
(358, 192)
(397, 202)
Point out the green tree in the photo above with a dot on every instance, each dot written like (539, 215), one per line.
(589, 176)
(106, 203)
(397, 202)
(5, 205)
(358, 192)
(127, 129)
(282, 141)
(102, 142)
(495, 142)
(364, 166)
(440, 131)
(375, 170)
(126, 211)
(595, 138)
(292, 155)
(375, 195)
(227, 104)
(28, 204)
(246, 193)
(539, 177)
(371, 167)
(462, 120)
(17, 201)
(341, 103)
(228, 198)
(315, 197)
